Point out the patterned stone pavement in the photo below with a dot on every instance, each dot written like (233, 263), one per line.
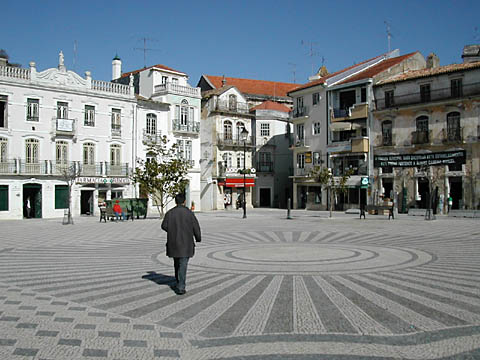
(258, 288)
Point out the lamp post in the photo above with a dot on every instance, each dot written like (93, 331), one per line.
(244, 135)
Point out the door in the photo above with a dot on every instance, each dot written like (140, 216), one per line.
(32, 201)
(86, 202)
(456, 192)
(265, 197)
(424, 192)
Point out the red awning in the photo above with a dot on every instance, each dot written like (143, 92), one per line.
(238, 182)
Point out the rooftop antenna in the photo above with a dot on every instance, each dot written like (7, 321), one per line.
(294, 71)
(311, 53)
(145, 49)
(389, 34)
(74, 55)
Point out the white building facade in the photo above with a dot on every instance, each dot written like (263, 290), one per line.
(53, 119)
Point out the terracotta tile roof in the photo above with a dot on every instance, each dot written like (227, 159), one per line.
(415, 74)
(158, 66)
(377, 69)
(324, 78)
(254, 87)
(271, 105)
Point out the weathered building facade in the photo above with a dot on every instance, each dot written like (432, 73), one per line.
(436, 109)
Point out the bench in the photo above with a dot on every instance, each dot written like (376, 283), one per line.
(108, 214)
(377, 208)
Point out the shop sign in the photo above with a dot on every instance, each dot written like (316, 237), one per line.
(428, 159)
(102, 180)
(239, 182)
(308, 157)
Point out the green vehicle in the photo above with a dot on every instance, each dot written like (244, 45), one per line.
(132, 206)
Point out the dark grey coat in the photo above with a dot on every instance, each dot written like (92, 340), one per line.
(181, 226)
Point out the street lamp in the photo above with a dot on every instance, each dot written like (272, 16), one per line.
(244, 136)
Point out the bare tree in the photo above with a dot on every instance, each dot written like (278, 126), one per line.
(69, 174)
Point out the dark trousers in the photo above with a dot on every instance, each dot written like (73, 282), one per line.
(180, 265)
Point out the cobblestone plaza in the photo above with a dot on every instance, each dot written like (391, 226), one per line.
(258, 288)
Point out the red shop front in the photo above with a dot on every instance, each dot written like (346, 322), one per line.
(238, 182)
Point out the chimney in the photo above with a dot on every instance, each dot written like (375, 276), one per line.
(432, 61)
(471, 53)
(224, 81)
(116, 67)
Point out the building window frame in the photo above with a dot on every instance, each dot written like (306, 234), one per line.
(151, 124)
(89, 118)
(3, 111)
(301, 161)
(387, 127)
(33, 109)
(315, 98)
(389, 98)
(456, 87)
(115, 155)
(62, 110)
(264, 129)
(116, 120)
(316, 128)
(425, 93)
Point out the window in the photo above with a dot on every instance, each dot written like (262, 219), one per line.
(61, 155)
(61, 196)
(453, 126)
(88, 167)
(315, 98)
(115, 159)
(227, 159)
(316, 128)
(363, 95)
(89, 115)
(240, 160)
(116, 121)
(347, 99)
(264, 129)
(301, 161)
(300, 132)
(389, 99)
(62, 110)
(227, 130)
(317, 158)
(317, 191)
(300, 102)
(425, 92)
(184, 113)
(240, 126)
(31, 151)
(456, 87)
(422, 130)
(151, 124)
(3, 197)
(164, 79)
(3, 111)
(184, 149)
(387, 133)
(265, 161)
(175, 81)
(32, 109)
(232, 102)
(3, 152)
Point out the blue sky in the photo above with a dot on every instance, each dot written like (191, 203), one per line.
(249, 39)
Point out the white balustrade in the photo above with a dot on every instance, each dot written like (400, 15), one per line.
(177, 89)
(110, 87)
(15, 72)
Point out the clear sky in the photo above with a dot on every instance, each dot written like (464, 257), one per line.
(262, 39)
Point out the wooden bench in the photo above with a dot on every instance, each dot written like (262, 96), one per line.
(108, 214)
(377, 208)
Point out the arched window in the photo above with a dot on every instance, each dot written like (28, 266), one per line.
(115, 155)
(387, 133)
(227, 159)
(184, 113)
(31, 151)
(239, 128)
(232, 102)
(453, 126)
(3, 150)
(61, 154)
(88, 167)
(151, 124)
(240, 160)
(227, 130)
(421, 134)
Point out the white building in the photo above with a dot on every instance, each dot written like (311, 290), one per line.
(261, 107)
(55, 118)
(166, 105)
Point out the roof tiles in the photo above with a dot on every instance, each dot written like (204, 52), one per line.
(271, 105)
(158, 66)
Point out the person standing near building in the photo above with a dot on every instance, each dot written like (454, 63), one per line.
(181, 226)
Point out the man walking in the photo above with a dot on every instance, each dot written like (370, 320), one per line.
(181, 226)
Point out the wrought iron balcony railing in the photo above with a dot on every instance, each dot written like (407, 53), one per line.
(421, 137)
(191, 127)
(229, 140)
(152, 138)
(233, 107)
(452, 135)
(265, 166)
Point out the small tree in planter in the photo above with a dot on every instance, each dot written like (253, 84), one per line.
(163, 174)
(334, 185)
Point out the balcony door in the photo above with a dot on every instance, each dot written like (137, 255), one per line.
(453, 126)
(227, 130)
(88, 167)
(61, 156)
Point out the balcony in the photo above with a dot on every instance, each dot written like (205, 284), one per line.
(302, 171)
(452, 135)
(300, 143)
(38, 168)
(8, 167)
(192, 127)
(170, 88)
(152, 138)
(299, 112)
(357, 111)
(421, 137)
(359, 144)
(116, 131)
(265, 166)
(91, 169)
(443, 94)
(227, 140)
(231, 107)
(64, 127)
(116, 169)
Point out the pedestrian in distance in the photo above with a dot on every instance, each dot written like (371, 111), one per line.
(117, 209)
(181, 226)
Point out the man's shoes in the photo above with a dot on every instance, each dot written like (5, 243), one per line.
(178, 291)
